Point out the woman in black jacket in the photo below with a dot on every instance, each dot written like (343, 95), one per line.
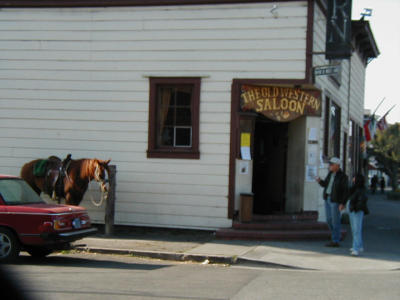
(357, 207)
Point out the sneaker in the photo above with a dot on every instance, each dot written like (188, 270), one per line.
(354, 253)
(360, 250)
(332, 244)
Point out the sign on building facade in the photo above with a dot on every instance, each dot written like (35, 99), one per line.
(282, 104)
(338, 29)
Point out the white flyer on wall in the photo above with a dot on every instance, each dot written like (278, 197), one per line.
(313, 154)
(311, 173)
(313, 135)
(321, 160)
(245, 152)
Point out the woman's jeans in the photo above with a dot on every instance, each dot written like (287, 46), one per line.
(333, 219)
(356, 220)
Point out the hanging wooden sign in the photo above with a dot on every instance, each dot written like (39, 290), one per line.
(282, 104)
(338, 29)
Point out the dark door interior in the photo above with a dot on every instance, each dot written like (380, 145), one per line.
(269, 166)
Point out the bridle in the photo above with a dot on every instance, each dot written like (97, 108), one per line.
(102, 182)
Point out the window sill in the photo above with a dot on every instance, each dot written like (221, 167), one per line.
(177, 154)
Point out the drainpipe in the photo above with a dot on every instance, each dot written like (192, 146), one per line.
(348, 109)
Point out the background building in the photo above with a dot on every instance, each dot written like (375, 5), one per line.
(158, 86)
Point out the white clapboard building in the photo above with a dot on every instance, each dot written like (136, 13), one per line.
(195, 101)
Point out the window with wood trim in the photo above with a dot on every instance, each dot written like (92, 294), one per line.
(332, 129)
(174, 118)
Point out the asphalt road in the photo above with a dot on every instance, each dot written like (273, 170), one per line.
(91, 276)
(382, 226)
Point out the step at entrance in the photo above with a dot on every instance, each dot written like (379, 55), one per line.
(287, 227)
(272, 235)
(279, 225)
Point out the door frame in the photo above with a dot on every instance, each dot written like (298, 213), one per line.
(235, 119)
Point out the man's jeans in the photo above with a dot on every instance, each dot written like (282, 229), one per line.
(356, 220)
(333, 219)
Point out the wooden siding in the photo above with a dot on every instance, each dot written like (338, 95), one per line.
(350, 99)
(357, 89)
(76, 81)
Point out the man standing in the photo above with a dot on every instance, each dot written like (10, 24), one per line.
(335, 189)
(383, 184)
(374, 183)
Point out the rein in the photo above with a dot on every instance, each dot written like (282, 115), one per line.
(101, 182)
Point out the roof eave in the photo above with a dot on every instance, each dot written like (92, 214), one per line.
(368, 45)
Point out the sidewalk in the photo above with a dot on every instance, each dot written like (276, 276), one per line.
(382, 241)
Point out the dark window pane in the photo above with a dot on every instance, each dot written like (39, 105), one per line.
(334, 131)
(183, 137)
(183, 97)
(174, 110)
(167, 136)
(183, 117)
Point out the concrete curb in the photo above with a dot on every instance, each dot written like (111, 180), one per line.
(266, 264)
(173, 256)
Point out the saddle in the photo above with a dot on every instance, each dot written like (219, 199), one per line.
(55, 172)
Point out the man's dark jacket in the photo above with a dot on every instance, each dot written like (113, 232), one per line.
(339, 188)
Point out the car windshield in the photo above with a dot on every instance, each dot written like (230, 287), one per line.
(17, 192)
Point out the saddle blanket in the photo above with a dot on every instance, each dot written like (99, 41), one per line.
(39, 169)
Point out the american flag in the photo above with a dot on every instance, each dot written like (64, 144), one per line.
(382, 124)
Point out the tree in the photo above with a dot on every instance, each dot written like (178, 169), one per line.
(386, 150)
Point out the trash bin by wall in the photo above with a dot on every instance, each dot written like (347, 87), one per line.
(246, 207)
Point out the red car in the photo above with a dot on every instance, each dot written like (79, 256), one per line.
(29, 223)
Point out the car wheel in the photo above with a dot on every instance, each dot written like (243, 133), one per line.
(39, 252)
(9, 245)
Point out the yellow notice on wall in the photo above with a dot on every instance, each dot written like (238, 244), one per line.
(245, 140)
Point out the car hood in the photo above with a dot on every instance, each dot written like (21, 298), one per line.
(45, 208)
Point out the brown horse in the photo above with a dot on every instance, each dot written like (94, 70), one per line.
(78, 174)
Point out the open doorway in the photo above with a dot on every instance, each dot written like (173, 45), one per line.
(269, 166)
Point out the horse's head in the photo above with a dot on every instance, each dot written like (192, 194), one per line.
(100, 169)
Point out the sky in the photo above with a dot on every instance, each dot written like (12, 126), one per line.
(383, 73)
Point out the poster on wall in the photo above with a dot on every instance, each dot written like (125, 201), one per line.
(321, 160)
(245, 146)
(313, 135)
(245, 152)
(311, 173)
(312, 154)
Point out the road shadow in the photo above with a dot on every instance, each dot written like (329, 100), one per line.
(157, 234)
(79, 262)
(381, 234)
